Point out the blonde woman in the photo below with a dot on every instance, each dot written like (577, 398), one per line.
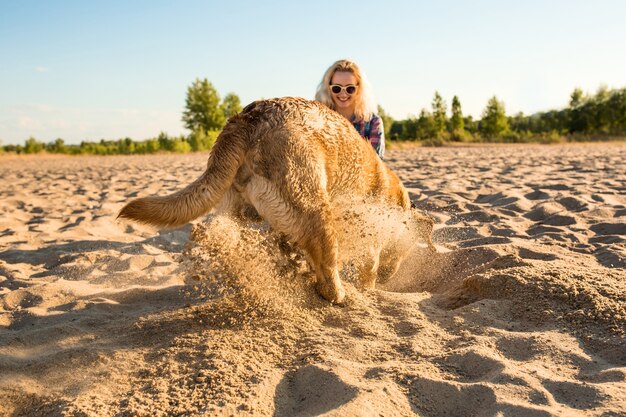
(344, 88)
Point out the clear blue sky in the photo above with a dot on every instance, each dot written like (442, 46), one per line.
(86, 70)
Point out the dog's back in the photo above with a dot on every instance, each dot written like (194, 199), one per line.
(309, 134)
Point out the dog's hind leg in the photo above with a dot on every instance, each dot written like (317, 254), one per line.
(310, 226)
(368, 268)
(234, 206)
(425, 229)
(390, 259)
(320, 243)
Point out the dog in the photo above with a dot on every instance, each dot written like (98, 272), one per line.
(290, 160)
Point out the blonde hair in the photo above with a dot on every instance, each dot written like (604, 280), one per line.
(365, 104)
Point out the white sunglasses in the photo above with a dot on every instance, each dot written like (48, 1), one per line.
(336, 88)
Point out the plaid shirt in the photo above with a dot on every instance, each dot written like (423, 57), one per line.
(376, 134)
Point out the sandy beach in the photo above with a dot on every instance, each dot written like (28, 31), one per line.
(521, 312)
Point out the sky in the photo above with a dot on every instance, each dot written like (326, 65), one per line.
(87, 70)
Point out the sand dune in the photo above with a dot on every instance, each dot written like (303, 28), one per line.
(522, 312)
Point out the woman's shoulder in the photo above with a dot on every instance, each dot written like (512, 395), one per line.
(375, 120)
(372, 118)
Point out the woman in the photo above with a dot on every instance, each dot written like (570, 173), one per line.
(344, 88)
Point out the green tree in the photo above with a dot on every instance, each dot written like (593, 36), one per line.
(576, 98)
(395, 131)
(152, 146)
(519, 122)
(456, 121)
(426, 125)
(602, 112)
(32, 145)
(202, 107)
(617, 104)
(231, 105)
(602, 93)
(58, 146)
(125, 146)
(165, 142)
(494, 122)
(180, 145)
(201, 140)
(409, 129)
(439, 114)
(470, 124)
(387, 121)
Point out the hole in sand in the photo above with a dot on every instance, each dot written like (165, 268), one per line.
(311, 391)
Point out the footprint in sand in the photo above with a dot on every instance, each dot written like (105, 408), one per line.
(497, 199)
(537, 195)
(526, 253)
(574, 395)
(609, 229)
(472, 366)
(432, 397)
(573, 204)
(20, 299)
(520, 348)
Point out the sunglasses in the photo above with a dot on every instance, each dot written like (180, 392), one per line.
(336, 88)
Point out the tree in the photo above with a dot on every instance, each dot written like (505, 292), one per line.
(578, 116)
(470, 124)
(576, 98)
(409, 129)
(387, 121)
(439, 113)
(231, 105)
(426, 126)
(520, 122)
(395, 131)
(125, 146)
(494, 121)
(32, 145)
(456, 121)
(58, 146)
(201, 140)
(617, 104)
(165, 143)
(202, 107)
(151, 145)
(601, 111)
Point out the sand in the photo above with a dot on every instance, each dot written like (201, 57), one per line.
(522, 311)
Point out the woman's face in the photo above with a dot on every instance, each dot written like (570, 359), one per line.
(343, 100)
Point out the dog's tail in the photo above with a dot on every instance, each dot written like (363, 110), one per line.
(203, 194)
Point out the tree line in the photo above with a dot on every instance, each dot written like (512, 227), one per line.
(599, 116)
(205, 115)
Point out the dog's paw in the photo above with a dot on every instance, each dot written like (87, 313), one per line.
(334, 294)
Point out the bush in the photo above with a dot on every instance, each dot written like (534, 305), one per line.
(180, 145)
(461, 135)
(201, 140)
(58, 146)
(552, 138)
(32, 145)
(151, 146)
(439, 141)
